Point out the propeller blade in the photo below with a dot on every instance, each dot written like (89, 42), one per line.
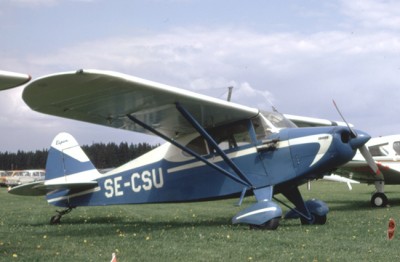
(352, 132)
(368, 157)
(363, 149)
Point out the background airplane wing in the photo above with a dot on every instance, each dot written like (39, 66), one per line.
(106, 98)
(360, 171)
(11, 79)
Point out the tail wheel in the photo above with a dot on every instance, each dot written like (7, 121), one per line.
(54, 220)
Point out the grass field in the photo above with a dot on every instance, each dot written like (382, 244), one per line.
(199, 231)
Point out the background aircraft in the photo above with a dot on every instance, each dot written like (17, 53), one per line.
(216, 149)
(385, 151)
(11, 79)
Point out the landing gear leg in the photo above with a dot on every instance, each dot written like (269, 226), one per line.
(311, 212)
(54, 220)
(379, 198)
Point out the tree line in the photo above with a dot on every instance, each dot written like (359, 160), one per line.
(102, 155)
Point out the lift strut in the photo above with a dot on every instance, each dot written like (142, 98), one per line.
(189, 151)
(211, 141)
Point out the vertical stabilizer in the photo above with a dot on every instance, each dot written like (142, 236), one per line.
(67, 163)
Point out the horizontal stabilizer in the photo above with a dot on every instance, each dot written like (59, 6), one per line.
(30, 189)
(41, 188)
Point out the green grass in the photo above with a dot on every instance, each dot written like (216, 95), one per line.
(198, 231)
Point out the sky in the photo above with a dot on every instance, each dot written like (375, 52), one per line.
(298, 55)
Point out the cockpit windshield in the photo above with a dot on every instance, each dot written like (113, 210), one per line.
(268, 123)
(277, 121)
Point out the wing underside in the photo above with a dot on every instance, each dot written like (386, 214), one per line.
(106, 98)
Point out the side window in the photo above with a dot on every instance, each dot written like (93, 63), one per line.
(198, 145)
(227, 137)
(378, 150)
(232, 135)
(259, 128)
(396, 147)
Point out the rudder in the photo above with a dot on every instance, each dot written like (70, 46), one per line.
(67, 163)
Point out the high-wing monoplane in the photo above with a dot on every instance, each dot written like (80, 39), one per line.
(215, 149)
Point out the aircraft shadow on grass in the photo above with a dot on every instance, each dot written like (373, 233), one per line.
(103, 226)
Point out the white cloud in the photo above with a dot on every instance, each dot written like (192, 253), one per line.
(296, 68)
(299, 72)
(40, 3)
(32, 2)
(380, 14)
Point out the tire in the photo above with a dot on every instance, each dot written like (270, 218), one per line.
(316, 220)
(304, 221)
(269, 225)
(379, 200)
(320, 220)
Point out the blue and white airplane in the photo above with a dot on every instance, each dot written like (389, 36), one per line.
(215, 149)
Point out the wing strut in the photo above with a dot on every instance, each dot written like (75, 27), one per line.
(189, 151)
(211, 141)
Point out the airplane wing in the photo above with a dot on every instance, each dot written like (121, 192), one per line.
(360, 171)
(106, 98)
(302, 121)
(40, 188)
(10, 79)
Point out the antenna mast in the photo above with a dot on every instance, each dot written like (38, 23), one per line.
(229, 93)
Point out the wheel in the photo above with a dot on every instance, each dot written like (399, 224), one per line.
(269, 225)
(379, 200)
(315, 220)
(54, 220)
(304, 221)
(320, 220)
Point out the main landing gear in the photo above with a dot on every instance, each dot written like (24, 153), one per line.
(54, 220)
(379, 199)
(311, 212)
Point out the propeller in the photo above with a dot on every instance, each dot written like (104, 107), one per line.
(363, 149)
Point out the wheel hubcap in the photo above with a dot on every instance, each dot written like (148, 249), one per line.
(378, 201)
